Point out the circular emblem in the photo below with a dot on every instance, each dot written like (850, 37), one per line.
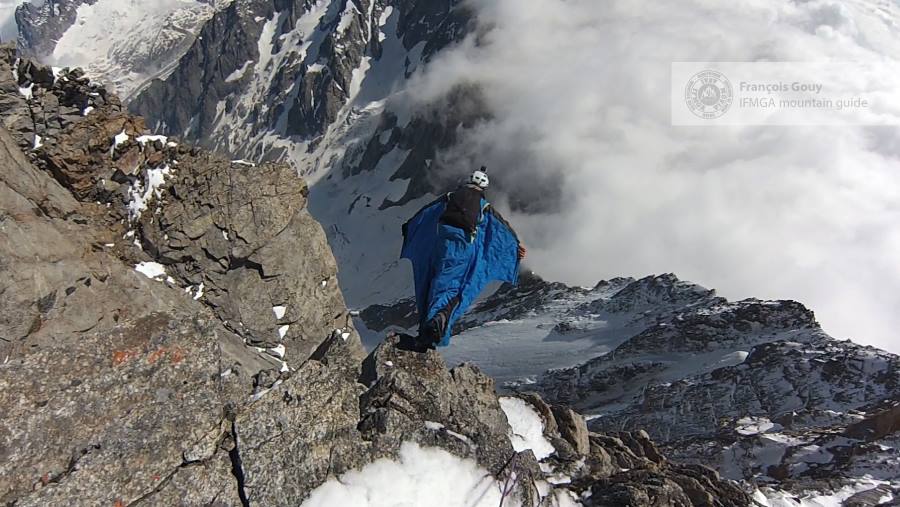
(708, 94)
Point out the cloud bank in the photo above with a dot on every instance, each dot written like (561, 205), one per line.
(580, 92)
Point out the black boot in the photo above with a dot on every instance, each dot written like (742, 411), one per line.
(431, 335)
(410, 343)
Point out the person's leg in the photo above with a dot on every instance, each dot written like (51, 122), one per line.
(436, 327)
(451, 263)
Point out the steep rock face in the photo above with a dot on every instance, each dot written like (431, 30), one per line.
(242, 233)
(41, 25)
(121, 45)
(237, 237)
(262, 71)
(104, 366)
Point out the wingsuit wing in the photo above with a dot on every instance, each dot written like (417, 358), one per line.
(496, 259)
(419, 238)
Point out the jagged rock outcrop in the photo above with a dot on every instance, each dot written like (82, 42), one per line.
(40, 104)
(101, 365)
(243, 234)
(413, 396)
(236, 236)
(104, 366)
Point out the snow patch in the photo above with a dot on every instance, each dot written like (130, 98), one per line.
(526, 427)
(347, 17)
(278, 351)
(238, 73)
(27, 91)
(421, 476)
(199, 293)
(152, 270)
(263, 392)
(755, 426)
(278, 310)
(283, 331)
(120, 138)
(565, 498)
(149, 139)
(141, 192)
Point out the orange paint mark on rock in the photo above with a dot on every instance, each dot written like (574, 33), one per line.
(156, 355)
(45, 479)
(156, 477)
(119, 503)
(177, 355)
(122, 356)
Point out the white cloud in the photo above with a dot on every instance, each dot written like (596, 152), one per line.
(580, 95)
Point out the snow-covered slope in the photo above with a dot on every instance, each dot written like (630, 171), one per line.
(122, 44)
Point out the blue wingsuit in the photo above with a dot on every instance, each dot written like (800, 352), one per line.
(449, 263)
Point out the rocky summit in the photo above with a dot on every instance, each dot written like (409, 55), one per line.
(172, 333)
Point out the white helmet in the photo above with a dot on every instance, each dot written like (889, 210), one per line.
(480, 178)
